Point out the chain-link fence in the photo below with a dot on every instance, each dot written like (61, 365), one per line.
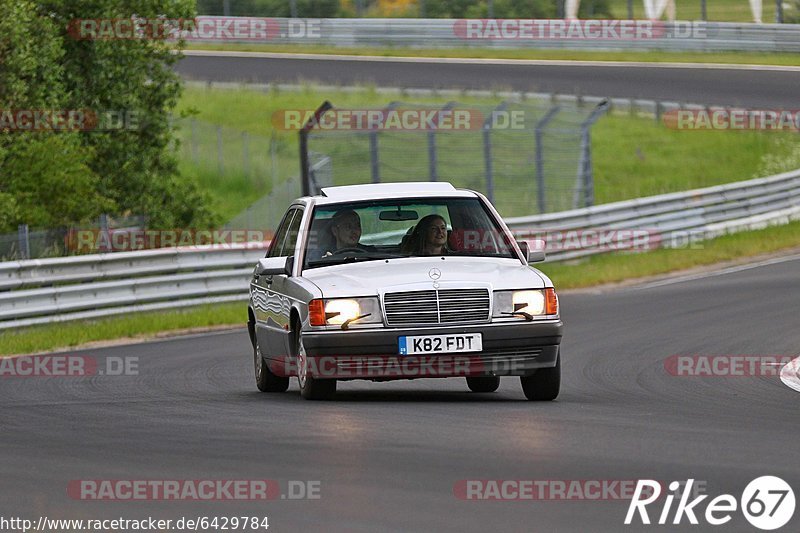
(266, 213)
(527, 157)
(217, 151)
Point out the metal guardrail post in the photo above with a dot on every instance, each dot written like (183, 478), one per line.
(538, 133)
(487, 149)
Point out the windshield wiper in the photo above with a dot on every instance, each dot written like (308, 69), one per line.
(351, 258)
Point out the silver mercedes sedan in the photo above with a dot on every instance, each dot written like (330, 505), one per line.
(401, 281)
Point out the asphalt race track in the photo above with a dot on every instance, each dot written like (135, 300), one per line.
(768, 88)
(388, 455)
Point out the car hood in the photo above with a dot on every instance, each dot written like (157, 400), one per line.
(371, 278)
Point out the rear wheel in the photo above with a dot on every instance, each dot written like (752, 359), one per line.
(483, 384)
(311, 388)
(266, 381)
(544, 384)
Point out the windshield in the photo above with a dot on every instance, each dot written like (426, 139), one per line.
(385, 229)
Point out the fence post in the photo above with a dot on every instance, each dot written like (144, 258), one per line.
(432, 155)
(106, 237)
(585, 167)
(374, 162)
(23, 238)
(538, 133)
(487, 150)
(432, 145)
(305, 171)
(220, 165)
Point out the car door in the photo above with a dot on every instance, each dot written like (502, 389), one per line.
(281, 292)
(266, 306)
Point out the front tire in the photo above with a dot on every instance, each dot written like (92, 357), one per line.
(266, 381)
(311, 388)
(545, 384)
(483, 384)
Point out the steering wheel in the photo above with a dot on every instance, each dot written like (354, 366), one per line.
(349, 250)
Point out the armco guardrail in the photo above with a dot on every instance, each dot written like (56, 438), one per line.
(90, 286)
(401, 32)
(55, 290)
(669, 220)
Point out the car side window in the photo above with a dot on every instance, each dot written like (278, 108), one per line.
(280, 235)
(291, 235)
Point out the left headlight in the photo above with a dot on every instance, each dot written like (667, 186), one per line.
(340, 311)
(537, 303)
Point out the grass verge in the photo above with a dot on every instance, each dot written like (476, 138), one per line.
(655, 56)
(597, 270)
(135, 325)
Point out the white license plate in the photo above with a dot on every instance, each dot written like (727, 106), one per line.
(458, 343)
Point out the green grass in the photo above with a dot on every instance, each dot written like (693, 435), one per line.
(596, 270)
(633, 156)
(654, 56)
(716, 10)
(617, 267)
(69, 334)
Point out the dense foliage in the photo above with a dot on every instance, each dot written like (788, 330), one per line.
(54, 178)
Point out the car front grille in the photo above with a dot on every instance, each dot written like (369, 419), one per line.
(447, 306)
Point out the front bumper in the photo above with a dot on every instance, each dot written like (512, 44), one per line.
(509, 349)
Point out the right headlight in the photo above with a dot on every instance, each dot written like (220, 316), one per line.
(344, 311)
(537, 303)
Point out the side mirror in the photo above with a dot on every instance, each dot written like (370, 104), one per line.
(535, 254)
(274, 266)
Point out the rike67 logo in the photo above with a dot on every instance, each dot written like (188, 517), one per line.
(767, 503)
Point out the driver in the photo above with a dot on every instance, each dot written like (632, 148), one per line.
(346, 229)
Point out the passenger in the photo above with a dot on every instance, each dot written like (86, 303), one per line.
(429, 237)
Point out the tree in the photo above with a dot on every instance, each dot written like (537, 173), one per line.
(58, 178)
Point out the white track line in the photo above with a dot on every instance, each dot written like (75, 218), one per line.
(730, 270)
(789, 374)
(487, 61)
